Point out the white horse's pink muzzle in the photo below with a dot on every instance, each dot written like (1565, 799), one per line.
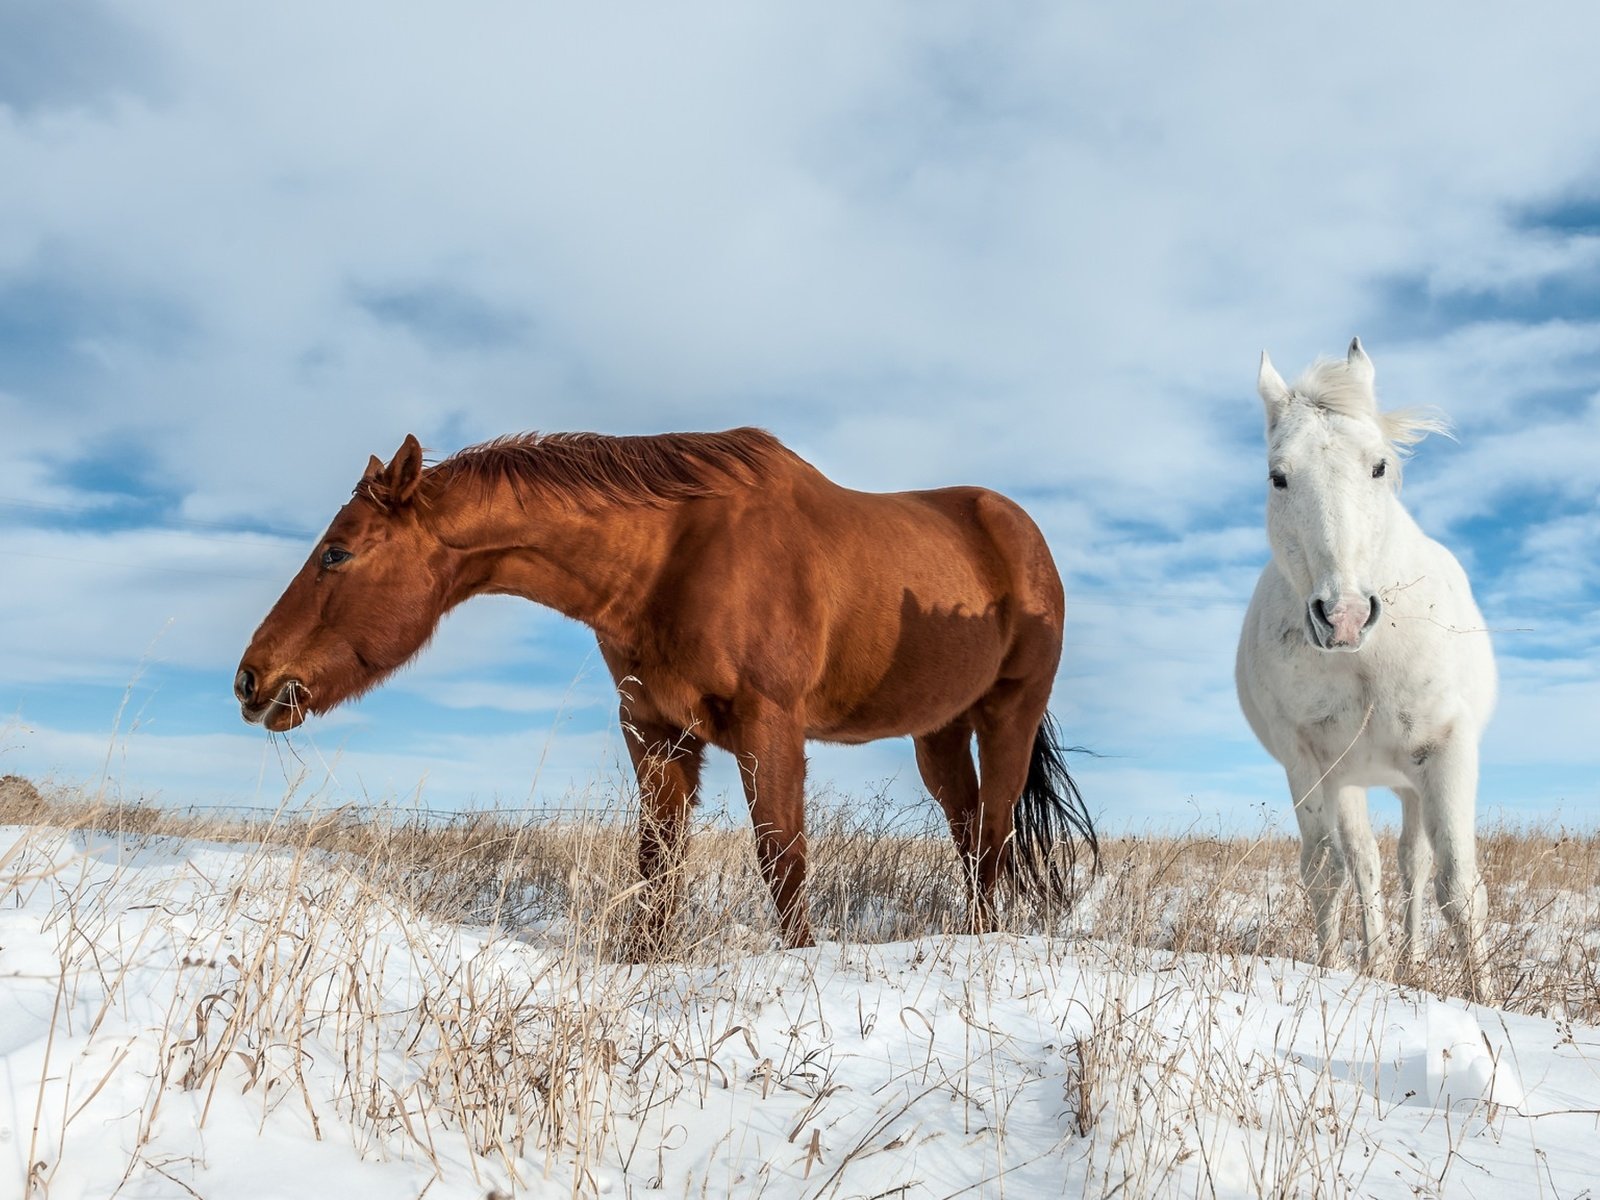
(1346, 625)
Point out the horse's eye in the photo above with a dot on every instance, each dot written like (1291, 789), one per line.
(1378, 471)
(1280, 480)
(334, 555)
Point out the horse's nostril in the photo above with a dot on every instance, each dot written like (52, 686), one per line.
(1320, 612)
(244, 685)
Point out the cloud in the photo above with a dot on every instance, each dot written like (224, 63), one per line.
(58, 54)
(1037, 249)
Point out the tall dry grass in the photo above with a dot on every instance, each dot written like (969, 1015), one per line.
(879, 874)
(559, 1057)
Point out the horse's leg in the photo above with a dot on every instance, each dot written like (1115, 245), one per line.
(1448, 779)
(1321, 862)
(1361, 861)
(770, 748)
(1416, 862)
(944, 758)
(1007, 721)
(667, 762)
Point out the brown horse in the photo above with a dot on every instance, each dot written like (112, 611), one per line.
(741, 600)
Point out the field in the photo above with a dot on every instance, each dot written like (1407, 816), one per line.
(370, 1004)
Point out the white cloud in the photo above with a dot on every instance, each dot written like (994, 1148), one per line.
(97, 606)
(1037, 250)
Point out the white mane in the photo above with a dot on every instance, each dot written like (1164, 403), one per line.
(1331, 385)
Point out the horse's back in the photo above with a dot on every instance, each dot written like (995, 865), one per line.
(895, 611)
(977, 530)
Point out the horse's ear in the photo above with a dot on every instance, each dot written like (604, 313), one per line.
(374, 469)
(404, 472)
(1274, 392)
(1358, 362)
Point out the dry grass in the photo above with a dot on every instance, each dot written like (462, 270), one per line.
(878, 875)
(556, 1059)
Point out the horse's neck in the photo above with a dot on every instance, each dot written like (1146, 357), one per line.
(1402, 539)
(592, 565)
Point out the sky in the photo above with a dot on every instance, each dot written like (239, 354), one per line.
(1036, 247)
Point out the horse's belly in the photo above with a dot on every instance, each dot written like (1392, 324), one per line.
(1385, 770)
(918, 694)
(855, 734)
(894, 712)
(874, 725)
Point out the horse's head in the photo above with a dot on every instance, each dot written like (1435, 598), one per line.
(367, 599)
(1333, 463)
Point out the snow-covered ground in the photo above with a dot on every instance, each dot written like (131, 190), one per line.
(189, 1019)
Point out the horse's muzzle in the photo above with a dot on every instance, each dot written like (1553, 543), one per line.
(1345, 626)
(283, 710)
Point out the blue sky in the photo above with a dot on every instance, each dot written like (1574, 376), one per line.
(1037, 247)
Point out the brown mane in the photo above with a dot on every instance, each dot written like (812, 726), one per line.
(599, 468)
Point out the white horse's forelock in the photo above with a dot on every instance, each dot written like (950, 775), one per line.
(1330, 384)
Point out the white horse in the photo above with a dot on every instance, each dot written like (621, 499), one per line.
(1364, 661)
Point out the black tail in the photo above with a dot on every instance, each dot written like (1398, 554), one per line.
(1050, 813)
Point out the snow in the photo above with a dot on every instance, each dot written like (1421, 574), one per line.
(185, 1019)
